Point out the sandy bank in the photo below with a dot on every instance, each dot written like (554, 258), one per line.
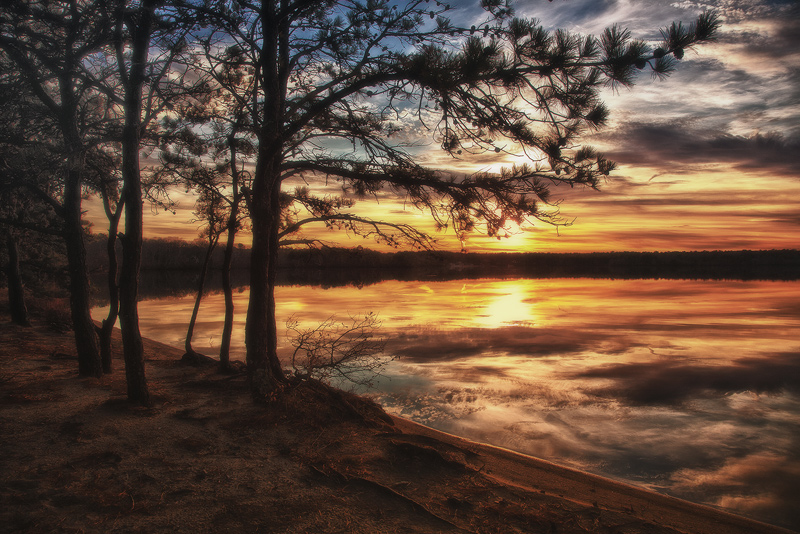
(76, 458)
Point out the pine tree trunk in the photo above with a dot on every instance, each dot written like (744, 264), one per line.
(263, 365)
(16, 293)
(89, 363)
(227, 288)
(82, 325)
(107, 327)
(133, 349)
(104, 333)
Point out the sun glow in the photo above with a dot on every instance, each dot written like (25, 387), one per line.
(510, 306)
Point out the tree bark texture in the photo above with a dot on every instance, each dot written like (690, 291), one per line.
(107, 327)
(85, 336)
(263, 365)
(227, 288)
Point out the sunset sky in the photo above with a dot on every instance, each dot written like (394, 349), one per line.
(708, 159)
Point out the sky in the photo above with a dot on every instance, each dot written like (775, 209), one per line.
(708, 159)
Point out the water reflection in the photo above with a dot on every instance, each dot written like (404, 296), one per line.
(688, 387)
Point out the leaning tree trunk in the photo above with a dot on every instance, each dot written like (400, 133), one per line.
(190, 352)
(16, 293)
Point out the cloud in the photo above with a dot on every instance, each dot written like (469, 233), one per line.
(786, 39)
(761, 484)
(668, 382)
(677, 145)
(642, 17)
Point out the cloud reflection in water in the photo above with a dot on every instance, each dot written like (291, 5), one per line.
(687, 387)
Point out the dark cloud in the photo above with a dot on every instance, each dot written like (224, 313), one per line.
(787, 38)
(644, 18)
(581, 12)
(669, 200)
(676, 145)
(793, 79)
(782, 39)
(762, 485)
(667, 382)
(789, 309)
(780, 217)
(681, 237)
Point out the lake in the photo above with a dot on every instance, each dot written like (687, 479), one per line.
(689, 388)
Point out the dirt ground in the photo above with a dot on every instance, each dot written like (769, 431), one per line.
(76, 457)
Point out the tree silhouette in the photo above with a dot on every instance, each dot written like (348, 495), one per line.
(99, 72)
(143, 72)
(207, 144)
(210, 209)
(315, 73)
(326, 92)
(104, 177)
(48, 47)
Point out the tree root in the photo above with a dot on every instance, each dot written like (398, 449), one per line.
(331, 472)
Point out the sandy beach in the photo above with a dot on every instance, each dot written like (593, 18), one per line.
(75, 457)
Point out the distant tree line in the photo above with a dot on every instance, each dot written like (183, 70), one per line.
(339, 265)
(165, 254)
(741, 264)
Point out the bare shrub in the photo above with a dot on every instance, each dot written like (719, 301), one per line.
(337, 351)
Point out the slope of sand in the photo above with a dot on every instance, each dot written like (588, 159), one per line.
(75, 457)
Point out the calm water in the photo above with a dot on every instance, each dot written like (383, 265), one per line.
(690, 388)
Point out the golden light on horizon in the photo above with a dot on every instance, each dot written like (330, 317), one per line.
(641, 207)
(638, 209)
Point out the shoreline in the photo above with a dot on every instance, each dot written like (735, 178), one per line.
(76, 457)
(589, 488)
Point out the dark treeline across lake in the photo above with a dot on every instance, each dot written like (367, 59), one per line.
(733, 265)
(165, 262)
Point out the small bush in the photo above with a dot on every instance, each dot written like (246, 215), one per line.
(337, 351)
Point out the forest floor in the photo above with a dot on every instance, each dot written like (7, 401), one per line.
(76, 457)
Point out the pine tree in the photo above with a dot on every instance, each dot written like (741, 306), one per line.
(316, 72)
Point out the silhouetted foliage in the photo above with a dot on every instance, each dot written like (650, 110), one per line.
(325, 266)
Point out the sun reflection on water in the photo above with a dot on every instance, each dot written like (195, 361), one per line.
(509, 306)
